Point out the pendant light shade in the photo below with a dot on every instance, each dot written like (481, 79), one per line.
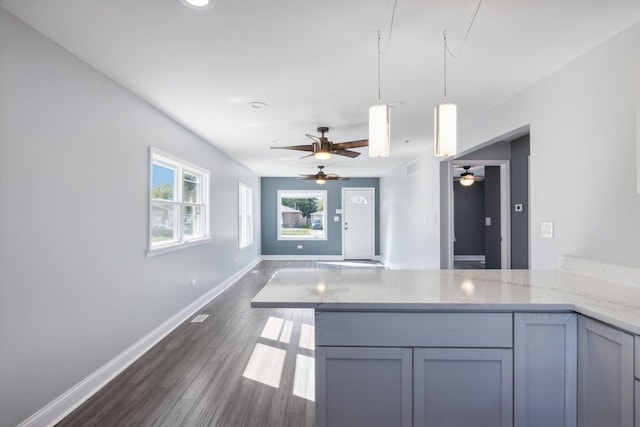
(445, 126)
(379, 134)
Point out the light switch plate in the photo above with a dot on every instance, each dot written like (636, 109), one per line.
(487, 221)
(336, 219)
(547, 230)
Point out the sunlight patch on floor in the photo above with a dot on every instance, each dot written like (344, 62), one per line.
(307, 337)
(304, 380)
(265, 365)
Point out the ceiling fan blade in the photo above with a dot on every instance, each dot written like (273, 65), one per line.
(347, 153)
(296, 147)
(308, 155)
(351, 144)
(337, 178)
(306, 176)
(313, 137)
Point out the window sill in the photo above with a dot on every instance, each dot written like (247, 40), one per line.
(178, 246)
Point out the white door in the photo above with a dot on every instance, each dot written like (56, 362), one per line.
(358, 227)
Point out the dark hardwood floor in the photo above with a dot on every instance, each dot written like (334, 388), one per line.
(220, 372)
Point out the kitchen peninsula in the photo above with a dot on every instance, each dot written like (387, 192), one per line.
(467, 347)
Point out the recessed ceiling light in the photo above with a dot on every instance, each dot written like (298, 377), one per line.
(199, 4)
(257, 104)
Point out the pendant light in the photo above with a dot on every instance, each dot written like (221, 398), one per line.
(445, 119)
(379, 130)
(445, 115)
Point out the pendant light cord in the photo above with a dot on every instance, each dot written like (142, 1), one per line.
(464, 41)
(379, 53)
(447, 50)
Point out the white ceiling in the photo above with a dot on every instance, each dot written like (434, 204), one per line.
(315, 63)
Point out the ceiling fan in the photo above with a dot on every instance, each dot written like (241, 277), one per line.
(321, 177)
(322, 148)
(467, 178)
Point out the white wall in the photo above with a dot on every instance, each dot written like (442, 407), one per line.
(76, 288)
(583, 159)
(409, 217)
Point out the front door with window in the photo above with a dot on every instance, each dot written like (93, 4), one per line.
(358, 228)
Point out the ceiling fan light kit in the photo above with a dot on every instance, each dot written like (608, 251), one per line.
(322, 178)
(467, 180)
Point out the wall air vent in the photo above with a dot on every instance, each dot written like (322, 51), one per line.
(413, 167)
(199, 318)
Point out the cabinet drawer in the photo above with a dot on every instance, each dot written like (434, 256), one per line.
(414, 329)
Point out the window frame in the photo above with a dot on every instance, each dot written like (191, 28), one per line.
(302, 194)
(245, 216)
(181, 168)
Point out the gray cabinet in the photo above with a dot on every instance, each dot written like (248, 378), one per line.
(637, 403)
(360, 386)
(605, 375)
(462, 387)
(545, 369)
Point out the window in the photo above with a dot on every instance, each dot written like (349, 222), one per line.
(245, 212)
(179, 203)
(301, 215)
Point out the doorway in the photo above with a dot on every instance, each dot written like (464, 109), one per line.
(493, 249)
(358, 231)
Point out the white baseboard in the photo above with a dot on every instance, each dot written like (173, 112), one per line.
(302, 257)
(310, 258)
(79, 393)
(479, 258)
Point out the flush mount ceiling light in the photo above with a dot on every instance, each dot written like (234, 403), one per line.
(199, 4)
(257, 104)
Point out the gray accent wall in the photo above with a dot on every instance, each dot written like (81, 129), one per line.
(333, 245)
(469, 218)
(520, 195)
(76, 289)
(492, 239)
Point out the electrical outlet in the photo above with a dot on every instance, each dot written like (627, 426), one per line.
(194, 282)
(299, 246)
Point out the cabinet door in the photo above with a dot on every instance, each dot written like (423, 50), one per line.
(605, 375)
(462, 387)
(637, 404)
(545, 369)
(363, 386)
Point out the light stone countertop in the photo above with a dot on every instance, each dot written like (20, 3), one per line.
(454, 290)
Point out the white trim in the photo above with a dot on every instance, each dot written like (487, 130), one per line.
(373, 216)
(505, 202)
(304, 193)
(64, 404)
(479, 258)
(302, 257)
